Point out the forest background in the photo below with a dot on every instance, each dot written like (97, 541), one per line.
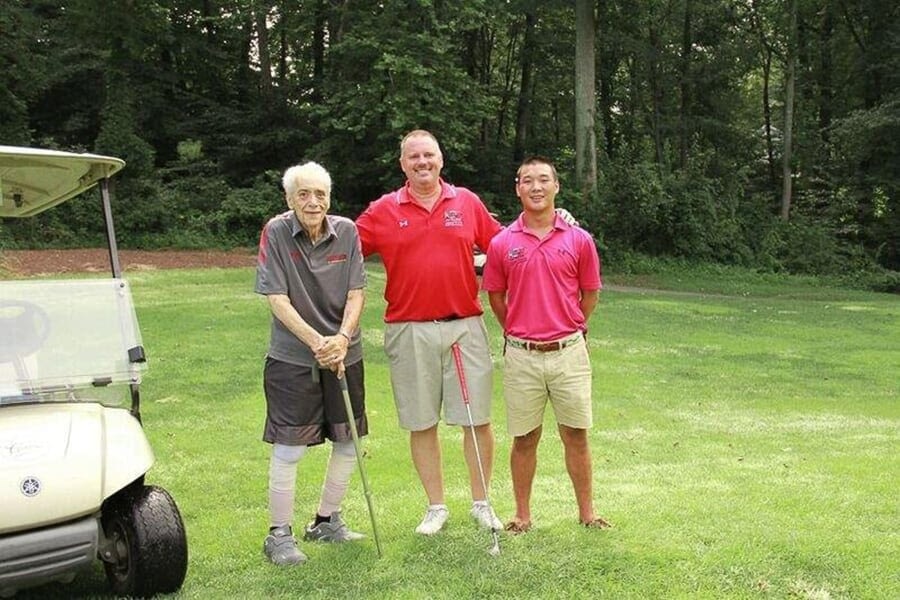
(760, 133)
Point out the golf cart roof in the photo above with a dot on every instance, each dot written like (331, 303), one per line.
(33, 180)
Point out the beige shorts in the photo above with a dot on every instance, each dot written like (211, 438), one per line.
(424, 376)
(532, 378)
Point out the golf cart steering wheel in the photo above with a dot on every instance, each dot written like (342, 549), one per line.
(24, 328)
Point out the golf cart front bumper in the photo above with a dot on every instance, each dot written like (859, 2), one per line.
(54, 553)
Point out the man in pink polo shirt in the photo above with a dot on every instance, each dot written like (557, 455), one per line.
(543, 279)
(425, 232)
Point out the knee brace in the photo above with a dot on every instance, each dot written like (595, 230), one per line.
(344, 448)
(288, 454)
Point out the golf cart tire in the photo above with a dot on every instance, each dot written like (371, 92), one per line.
(151, 545)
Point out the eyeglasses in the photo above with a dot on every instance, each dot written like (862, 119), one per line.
(305, 195)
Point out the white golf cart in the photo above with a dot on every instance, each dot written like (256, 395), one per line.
(72, 457)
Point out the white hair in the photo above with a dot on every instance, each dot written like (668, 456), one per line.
(309, 171)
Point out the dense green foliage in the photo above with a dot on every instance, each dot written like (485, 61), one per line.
(209, 100)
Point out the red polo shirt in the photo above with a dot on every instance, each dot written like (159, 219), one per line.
(428, 255)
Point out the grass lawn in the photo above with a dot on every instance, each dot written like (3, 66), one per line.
(746, 445)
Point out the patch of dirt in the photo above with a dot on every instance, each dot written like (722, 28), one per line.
(28, 263)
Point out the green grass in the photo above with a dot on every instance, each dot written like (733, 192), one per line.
(746, 445)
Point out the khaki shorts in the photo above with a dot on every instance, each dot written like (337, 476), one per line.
(562, 377)
(424, 376)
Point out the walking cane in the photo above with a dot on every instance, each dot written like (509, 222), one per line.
(342, 381)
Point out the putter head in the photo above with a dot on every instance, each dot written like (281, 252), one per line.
(495, 549)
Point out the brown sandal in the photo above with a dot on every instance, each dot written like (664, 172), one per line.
(597, 523)
(516, 527)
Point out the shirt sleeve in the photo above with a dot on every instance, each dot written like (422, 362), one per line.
(357, 268)
(589, 264)
(367, 227)
(494, 277)
(270, 277)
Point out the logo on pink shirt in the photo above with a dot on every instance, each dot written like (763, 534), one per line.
(515, 253)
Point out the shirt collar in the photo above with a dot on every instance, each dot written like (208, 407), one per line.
(405, 195)
(519, 224)
(297, 228)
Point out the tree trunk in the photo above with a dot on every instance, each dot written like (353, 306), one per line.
(766, 48)
(318, 50)
(826, 66)
(606, 67)
(508, 83)
(523, 112)
(686, 44)
(265, 59)
(767, 119)
(585, 100)
(789, 115)
(656, 93)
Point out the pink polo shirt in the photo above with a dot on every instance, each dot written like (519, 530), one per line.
(428, 255)
(543, 278)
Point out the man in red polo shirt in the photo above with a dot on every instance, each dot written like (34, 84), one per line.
(425, 232)
(543, 280)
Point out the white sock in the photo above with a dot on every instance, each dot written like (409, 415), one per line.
(337, 477)
(282, 481)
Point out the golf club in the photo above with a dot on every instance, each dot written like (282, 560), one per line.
(457, 358)
(351, 418)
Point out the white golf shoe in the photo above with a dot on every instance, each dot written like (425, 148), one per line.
(434, 520)
(484, 516)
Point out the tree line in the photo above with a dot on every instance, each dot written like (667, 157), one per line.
(763, 133)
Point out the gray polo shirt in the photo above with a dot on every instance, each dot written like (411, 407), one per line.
(316, 278)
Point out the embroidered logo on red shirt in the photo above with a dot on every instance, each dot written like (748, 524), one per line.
(453, 218)
(403, 223)
(336, 258)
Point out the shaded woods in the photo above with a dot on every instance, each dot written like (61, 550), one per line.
(762, 133)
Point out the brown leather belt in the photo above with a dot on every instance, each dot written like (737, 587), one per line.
(543, 346)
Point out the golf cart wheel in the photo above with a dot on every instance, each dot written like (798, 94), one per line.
(150, 544)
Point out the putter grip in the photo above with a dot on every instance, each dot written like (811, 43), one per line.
(343, 383)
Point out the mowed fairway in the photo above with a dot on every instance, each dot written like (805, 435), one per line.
(746, 445)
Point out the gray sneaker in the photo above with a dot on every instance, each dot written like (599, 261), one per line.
(332, 530)
(281, 549)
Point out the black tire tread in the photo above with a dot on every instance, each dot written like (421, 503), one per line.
(158, 547)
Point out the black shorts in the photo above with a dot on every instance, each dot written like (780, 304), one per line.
(300, 411)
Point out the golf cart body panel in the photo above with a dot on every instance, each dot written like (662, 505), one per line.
(48, 446)
(72, 457)
(36, 557)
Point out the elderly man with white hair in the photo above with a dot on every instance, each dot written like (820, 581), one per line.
(310, 268)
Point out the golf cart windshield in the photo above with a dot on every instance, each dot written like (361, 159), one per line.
(67, 340)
